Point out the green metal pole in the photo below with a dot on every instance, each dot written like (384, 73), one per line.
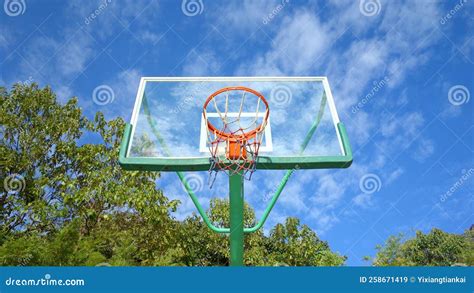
(236, 194)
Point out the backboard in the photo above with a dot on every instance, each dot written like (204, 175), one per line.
(167, 131)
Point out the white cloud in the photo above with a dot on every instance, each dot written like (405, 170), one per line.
(5, 37)
(57, 61)
(401, 133)
(361, 126)
(451, 111)
(393, 176)
(293, 197)
(149, 36)
(73, 55)
(424, 150)
(243, 16)
(63, 93)
(203, 63)
(364, 200)
(300, 40)
(363, 62)
(124, 87)
(324, 220)
(407, 124)
(467, 48)
(104, 21)
(329, 191)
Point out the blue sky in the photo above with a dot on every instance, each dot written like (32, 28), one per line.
(401, 74)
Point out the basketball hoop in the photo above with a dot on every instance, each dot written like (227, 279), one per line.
(235, 139)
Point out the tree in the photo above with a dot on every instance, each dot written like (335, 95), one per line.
(296, 245)
(62, 178)
(38, 135)
(201, 246)
(436, 248)
(391, 253)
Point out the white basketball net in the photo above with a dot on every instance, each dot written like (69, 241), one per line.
(234, 137)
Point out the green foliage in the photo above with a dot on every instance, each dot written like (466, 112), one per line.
(77, 206)
(467, 255)
(65, 180)
(390, 254)
(26, 250)
(219, 213)
(295, 245)
(436, 248)
(126, 239)
(38, 137)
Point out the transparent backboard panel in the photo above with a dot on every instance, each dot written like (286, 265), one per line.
(168, 122)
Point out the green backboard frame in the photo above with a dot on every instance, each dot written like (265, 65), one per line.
(264, 162)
